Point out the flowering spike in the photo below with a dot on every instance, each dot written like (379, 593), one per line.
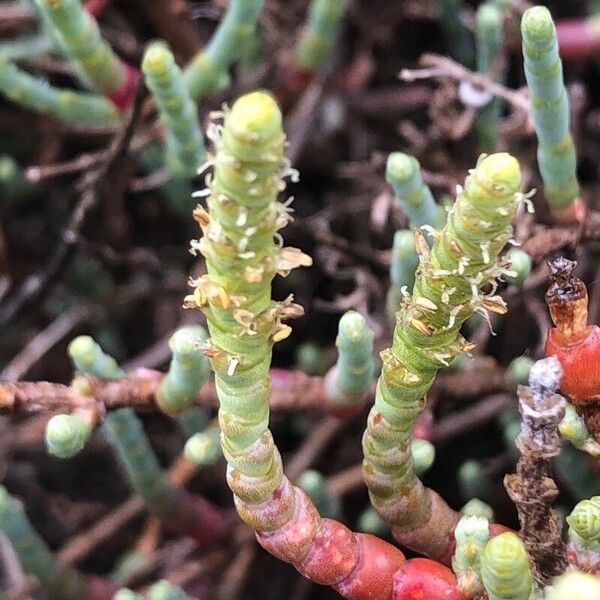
(550, 108)
(451, 279)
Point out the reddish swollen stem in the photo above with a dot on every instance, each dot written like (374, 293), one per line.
(95, 7)
(358, 566)
(578, 39)
(580, 361)
(424, 579)
(123, 96)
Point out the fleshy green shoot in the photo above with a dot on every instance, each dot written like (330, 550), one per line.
(549, 108)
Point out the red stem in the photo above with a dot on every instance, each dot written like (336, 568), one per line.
(577, 39)
(95, 7)
(123, 96)
(359, 566)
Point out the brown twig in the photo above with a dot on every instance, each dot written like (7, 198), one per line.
(441, 66)
(35, 286)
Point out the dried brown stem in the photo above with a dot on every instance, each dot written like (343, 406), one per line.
(531, 488)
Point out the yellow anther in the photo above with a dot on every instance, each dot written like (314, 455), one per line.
(494, 304)
(421, 327)
(281, 332)
(201, 216)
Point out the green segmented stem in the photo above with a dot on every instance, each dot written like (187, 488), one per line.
(61, 582)
(81, 39)
(66, 435)
(489, 43)
(188, 371)
(471, 534)
(66, 105)
(88, 357)
(315, 485)
(208, 69)
(457, 37)
(404, 263)
(320, 33)
(26, 46)
(242, 257)
(574, 586)
(163, 590)
(349, 380)
(178, 113)
(505, 570)
(447, 291)
(549, 108)
(126, 431)
(139, 460)
(403, 173)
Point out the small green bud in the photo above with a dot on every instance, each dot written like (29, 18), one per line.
(423, 452)
(520, 264)
(370, 522)
(518, 370)
(311, 359)
(203, 448)
(315, 485)
(471, 479)
(66, 435)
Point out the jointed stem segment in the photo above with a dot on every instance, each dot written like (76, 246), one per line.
(447, 290)
(549, 107)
